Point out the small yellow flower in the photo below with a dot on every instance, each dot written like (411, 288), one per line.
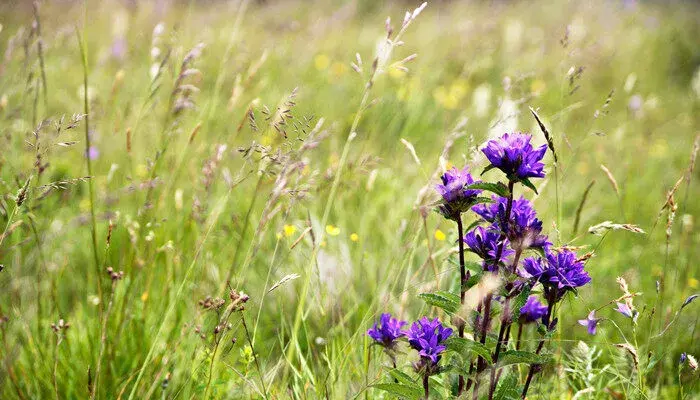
(354, 237)
(278, 235)
(339, 69)
(144, 296)
(332, 230)
(321, 62)
(289, 230)
(693, 283)
(439, 235)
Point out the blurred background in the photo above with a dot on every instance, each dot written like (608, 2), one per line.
(617, 83)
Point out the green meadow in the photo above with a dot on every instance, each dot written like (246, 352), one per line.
(217, 199)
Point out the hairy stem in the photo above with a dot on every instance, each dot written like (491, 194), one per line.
(426, 386)
(531, 372)
(462, 287)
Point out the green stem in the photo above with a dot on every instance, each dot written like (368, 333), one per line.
(91, 187)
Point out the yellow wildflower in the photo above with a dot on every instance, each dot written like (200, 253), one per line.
(321, 62)
(440, 235)
(332, 230)
(289, 230)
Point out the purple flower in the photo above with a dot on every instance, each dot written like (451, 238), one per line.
(514, 155)
(93, 153)
(484, 243)
(388, 332)
(683, 358)
(524, 229)
(559, 273)
(426, 337)
(533, 310)
(456, 199)
(624, 309)
(591, 322)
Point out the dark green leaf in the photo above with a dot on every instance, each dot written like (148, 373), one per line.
(508, 388)
(474, 280)
(522, 357)
(473, 225)
(519, 302)
(526, 182)
(466, 347)
(409, 392)
(497, 188)
(403, 378)
(487, 169)
(442, 299)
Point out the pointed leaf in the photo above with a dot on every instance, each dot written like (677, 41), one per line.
(442, 299)
(497, 188)
(400, 390)
(466, 347)
(488, 168)
(522, 357)
(508, 389)
(403, 378)
(526, 182)
(519, 302)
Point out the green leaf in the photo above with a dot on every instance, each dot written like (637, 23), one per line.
(473, 225)
(488, 168)
(519, 302)
(522, 357)
(474, 280)
(508, 388)
(442, 299)
(497, 188)
(482, 200)
(403, 378)
(466, 347)
(409, 392)
(526, 182)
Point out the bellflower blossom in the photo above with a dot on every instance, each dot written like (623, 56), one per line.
(591, 322)
(624, 309)
(524, 229)
(387, 333)
(456, 199)
(559, 273)
(533, 310)
(427, 337)
(513, 154)
(484, 242)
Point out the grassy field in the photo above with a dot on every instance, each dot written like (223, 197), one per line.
(200, 150)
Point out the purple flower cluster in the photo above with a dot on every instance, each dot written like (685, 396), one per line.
(484, 242)
(524, 230)
(387, 332)
(559, 273)
(428, 337)
(532, 311)
(514, 155)
(456, 198)
(425, 335)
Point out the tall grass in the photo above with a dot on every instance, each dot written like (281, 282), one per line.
(216, 175)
